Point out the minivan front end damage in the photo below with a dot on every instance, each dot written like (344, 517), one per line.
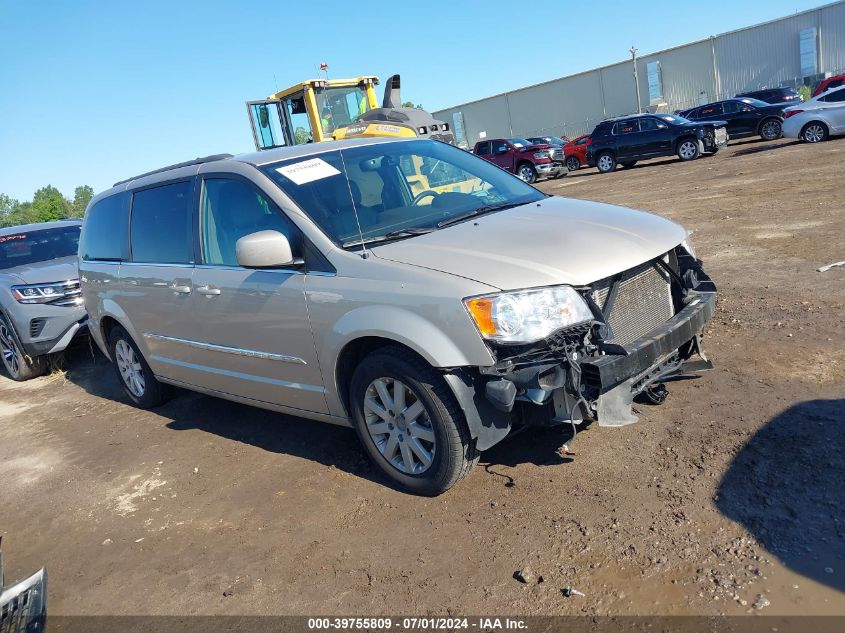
(647, 327)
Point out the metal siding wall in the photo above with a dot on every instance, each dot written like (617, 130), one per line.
(620, 96)
(765, 55)
(761, 57)
(686, 72)
(552, 108)
(832, 27)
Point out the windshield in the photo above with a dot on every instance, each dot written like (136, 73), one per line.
(338, 107)
(389, 188)
(674, 119)
(755, 102)
(519, 142)
(39, 245)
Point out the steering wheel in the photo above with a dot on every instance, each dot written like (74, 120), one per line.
(422, 195)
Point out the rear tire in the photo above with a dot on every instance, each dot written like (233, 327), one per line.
(689, 149)
(409, 422)
(134, 374)
(527, 173)
(18, 365)
(606, 162)
(572, 163)
(814, 132)
(771, 129)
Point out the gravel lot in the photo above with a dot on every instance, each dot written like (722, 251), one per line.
(733, 489)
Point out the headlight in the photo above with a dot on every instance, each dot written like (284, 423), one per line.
(541, 154)
(45, 293)
(527, 315)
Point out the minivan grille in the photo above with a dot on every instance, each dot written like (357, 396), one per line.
(643, 302)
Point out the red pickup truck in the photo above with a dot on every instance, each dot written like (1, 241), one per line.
(527, 160)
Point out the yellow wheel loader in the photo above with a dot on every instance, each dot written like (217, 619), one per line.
(319, 110)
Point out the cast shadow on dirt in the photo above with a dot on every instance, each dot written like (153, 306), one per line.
(786, 486)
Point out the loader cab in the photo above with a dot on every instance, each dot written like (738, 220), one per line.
(311, 111)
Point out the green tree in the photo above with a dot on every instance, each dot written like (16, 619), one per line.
(81, 197)
(49, 204)
(410, 104)
(300, 135)
(7, 207)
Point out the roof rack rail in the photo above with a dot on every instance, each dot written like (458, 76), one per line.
(187, 163)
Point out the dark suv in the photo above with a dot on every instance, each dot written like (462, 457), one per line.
(628, 139)
(773, 95)
(745, 117)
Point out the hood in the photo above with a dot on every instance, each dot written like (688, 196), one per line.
(554, 241)
(50, 271)
(534, 147)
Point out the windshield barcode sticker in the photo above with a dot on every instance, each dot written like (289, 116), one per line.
(308, 171)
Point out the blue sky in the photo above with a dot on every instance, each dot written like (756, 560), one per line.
(94, 92)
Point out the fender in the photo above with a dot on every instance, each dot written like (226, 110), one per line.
(110, 308)
(400, 325)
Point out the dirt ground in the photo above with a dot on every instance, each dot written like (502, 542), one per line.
(733, 489)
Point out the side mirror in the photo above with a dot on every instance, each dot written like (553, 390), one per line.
(503, 150)
(264, 249)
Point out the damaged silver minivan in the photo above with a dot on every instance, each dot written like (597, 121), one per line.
(406, 288)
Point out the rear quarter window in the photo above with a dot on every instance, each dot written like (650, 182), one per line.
(105, 233)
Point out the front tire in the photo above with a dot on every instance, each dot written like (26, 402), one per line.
(409, 422)
(689, 149)
(572, 163)
(138, 381)
(527, 173)
(19, 366)
(771, 129)
(814, 132)
(606, 162)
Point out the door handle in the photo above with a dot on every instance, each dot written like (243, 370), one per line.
(181, 290)
(208, 291)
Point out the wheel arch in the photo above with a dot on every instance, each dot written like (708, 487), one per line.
(366, 329)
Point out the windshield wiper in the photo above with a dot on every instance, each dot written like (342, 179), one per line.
(419, 230)
(392, 235)
(478, 211)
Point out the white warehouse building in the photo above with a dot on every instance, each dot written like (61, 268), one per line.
(796, 50)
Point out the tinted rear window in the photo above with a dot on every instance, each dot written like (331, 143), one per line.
(106, 235)
(161, 224)
(40, 245)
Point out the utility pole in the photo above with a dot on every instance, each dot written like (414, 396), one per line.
(636, 79)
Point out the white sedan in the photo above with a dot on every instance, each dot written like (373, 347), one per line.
(818, 118)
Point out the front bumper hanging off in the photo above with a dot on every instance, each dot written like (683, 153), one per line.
(594, 370)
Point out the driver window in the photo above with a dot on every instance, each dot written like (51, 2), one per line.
(231, 209)
(499, 146)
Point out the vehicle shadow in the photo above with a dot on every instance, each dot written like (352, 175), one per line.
(786, 486)
(763, 148)
(326, 444)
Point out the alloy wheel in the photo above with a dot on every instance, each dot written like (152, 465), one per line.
(572, 163)
(11, 355)
(687, 150)
(130, 368)
(814, 133)
(526, 173)
(399, 426)
(605, 163)
(771, 130)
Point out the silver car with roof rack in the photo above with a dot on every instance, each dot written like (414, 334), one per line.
(326, 281)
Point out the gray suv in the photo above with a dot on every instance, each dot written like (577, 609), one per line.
(406, 288)
(41, 307)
